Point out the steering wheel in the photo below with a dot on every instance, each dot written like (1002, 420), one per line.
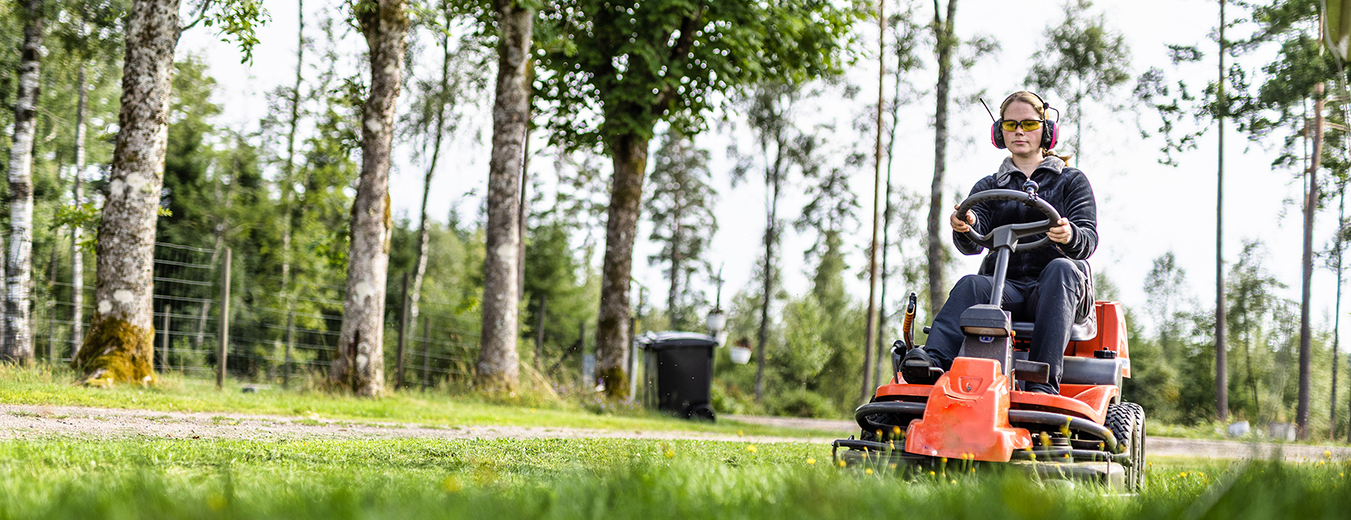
(1009, 234)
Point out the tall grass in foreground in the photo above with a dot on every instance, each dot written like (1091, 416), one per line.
(597, 478)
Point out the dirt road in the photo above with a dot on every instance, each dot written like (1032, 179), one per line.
(33, 422)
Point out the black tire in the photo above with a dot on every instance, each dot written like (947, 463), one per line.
(1127, 422)
(702, 412)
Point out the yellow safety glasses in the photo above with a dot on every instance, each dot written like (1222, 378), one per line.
(1028, 124)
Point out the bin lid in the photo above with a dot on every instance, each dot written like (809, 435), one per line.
(675, 339)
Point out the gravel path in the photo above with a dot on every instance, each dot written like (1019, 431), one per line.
(36, 421)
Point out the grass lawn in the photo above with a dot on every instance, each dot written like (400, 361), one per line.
(610, 478)
(301, 478)
(44, 385)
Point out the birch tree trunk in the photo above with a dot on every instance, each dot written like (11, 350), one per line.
(360, 366)
(424, 221)
(947, 43)
(498, 362)
(613, 336)
(77, 233)
(119, 347)
(18, 338)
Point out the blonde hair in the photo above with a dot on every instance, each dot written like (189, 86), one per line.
(1036, 103)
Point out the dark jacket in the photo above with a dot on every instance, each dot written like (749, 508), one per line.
(1068, 191)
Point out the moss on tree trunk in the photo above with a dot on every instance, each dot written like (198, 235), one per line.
(114, 352)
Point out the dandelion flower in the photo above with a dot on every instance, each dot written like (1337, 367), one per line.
(670, 454)
(841, 463)
(868, 471)
(750, 448)
(811, 461)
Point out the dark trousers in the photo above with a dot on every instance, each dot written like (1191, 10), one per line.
(1050, 301)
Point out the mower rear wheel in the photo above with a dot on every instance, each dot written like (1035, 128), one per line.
(1127, 422)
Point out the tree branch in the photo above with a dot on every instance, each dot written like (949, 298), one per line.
(680, 52)
(201, 15)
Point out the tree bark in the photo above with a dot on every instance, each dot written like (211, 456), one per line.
(612, 328)
(76, 232)
(673, 296)
(360, 366)
(288, 171)
(498, 362)
(771, 236)
(119, 347)
(869, 370)
(947, 43)
(1310, 205)
(1221, 349)
(18, 337)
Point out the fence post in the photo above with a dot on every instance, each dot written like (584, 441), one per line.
(164, 341)
(426, 349)
(290, 340)
(539, 331)
(224, 325)
(403, 335)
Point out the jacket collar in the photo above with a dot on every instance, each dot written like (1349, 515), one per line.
(1006, 169)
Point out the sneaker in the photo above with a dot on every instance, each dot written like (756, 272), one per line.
(919, 368)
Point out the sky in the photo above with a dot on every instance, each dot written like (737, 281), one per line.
(1146, 209)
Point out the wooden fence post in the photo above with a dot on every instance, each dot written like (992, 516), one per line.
(224, 326)
(290, 341)
(403, 335)
(164, 341)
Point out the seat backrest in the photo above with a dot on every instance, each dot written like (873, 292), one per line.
(1111, 321)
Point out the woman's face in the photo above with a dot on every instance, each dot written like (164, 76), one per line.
(1019, 141)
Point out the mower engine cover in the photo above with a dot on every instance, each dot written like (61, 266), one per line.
(966, 416)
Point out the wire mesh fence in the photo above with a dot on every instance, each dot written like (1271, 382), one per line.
(277, 337)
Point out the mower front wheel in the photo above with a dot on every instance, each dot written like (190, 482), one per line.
(1127, 422)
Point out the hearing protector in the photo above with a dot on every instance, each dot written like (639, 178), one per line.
(1050, 133)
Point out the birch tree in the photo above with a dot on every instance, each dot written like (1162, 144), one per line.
(498, 361)
(18, 339)
(119, 346)
(360, 365)
(434, 118)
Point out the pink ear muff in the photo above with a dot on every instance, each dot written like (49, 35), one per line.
(1053, 130)
(996, 137)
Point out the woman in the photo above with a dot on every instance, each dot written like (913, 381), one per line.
(1046, 285)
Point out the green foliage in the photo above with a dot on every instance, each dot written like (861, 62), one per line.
(680, 207)
(609, 72)
(236, 20)
(1081, 60)
(570, 289)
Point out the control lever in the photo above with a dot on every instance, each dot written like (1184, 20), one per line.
(908, 325)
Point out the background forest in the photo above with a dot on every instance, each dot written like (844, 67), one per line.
(276, 183)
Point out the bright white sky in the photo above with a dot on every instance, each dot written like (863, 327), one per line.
(1145, 209)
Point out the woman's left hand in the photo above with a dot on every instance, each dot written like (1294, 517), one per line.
(1062, 232)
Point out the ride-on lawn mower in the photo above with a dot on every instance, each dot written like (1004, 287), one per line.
(974, 413)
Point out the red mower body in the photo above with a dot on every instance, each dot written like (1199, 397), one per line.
(966, 411)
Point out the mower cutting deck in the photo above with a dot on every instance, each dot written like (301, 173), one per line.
(974, 414)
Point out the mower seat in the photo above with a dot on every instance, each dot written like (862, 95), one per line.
(1082, 330)
(1087, 371)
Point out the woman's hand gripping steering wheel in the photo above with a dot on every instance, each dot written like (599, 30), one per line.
(1010, 234)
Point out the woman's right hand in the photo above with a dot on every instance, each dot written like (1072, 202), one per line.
(958, 224)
